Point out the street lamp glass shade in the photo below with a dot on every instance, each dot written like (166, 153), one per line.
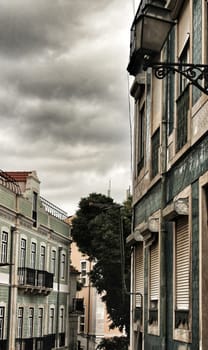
(151, 30)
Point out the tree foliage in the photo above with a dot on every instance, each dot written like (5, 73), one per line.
(97, 230)
(115, 343)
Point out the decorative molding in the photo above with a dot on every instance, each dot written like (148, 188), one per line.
(176, 208)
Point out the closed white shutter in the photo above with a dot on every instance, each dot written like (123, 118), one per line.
(154, 271)
(182, 264)
(139, 273)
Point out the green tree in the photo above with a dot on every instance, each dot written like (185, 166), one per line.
(97, 230)
(115, 343)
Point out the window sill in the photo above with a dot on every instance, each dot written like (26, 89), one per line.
(183, 335)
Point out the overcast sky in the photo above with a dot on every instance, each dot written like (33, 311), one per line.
(64, 95)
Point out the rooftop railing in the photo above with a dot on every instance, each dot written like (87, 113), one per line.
(53, 209)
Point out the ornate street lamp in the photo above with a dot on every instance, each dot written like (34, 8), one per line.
(149, 32)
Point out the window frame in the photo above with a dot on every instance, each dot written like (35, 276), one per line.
(2, 321)
(154, 304)
(4, 246)
(20, 321)
(31, 322)
(179, 333)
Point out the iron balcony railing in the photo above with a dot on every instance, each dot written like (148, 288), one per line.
(35, 278)
(47, 342)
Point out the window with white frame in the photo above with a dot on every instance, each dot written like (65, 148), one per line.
(20, 313)
(40, 322)
(84, 272)
(33, 255)
(154, 281)
(155, 146)
(51, 320)
(2, 312)
(81, 324)
(140, 138)
(182, 104)
(139, 282)
(53, 261)
(35, 208)
(22, 252)
(4, 247)
(182, 273)
(31, 321)
(63, 265)
(42, 257)
(61, 320)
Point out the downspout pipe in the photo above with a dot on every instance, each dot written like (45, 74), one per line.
(58, 296)
(163, 260)
(9, 307)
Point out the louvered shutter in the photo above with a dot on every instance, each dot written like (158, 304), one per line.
(182, 264)
(139, 273)
(154, 271)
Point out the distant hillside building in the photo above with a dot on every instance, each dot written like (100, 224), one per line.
(34, 267)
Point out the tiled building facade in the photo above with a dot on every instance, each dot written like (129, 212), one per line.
(170, 186)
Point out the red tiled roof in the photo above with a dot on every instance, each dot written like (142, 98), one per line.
(19, 176)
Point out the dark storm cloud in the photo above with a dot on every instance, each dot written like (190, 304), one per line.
(63, 94)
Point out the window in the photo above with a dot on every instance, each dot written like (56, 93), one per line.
(83, 272)
(61, 319)
(154, 282)
(4, 247)
(182, 273)
(140, 142)
(155, 153)
(51, 320)
(31, 321)
(42, 257)
(182, 105)
(20, 322)
(81, 324)
(139, 281)
(22, 252)
(33, 255)
(53, 262)
(2, 310)
(63, 265)
(34, 208)
(40, 322)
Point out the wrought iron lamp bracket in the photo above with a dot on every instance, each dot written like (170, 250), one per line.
(197, 74)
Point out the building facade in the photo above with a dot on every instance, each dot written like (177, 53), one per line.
(93, 324)
(170, 179)
(34, 269)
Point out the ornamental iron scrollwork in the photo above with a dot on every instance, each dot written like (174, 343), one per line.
(197, 74)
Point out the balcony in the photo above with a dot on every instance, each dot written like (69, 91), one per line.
(46, 342)
(35, 281)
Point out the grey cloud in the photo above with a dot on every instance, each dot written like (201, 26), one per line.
(63, 95)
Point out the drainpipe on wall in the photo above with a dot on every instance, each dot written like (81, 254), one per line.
(163, 275)
(10, 302)
(89, 307)
(58, 297)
